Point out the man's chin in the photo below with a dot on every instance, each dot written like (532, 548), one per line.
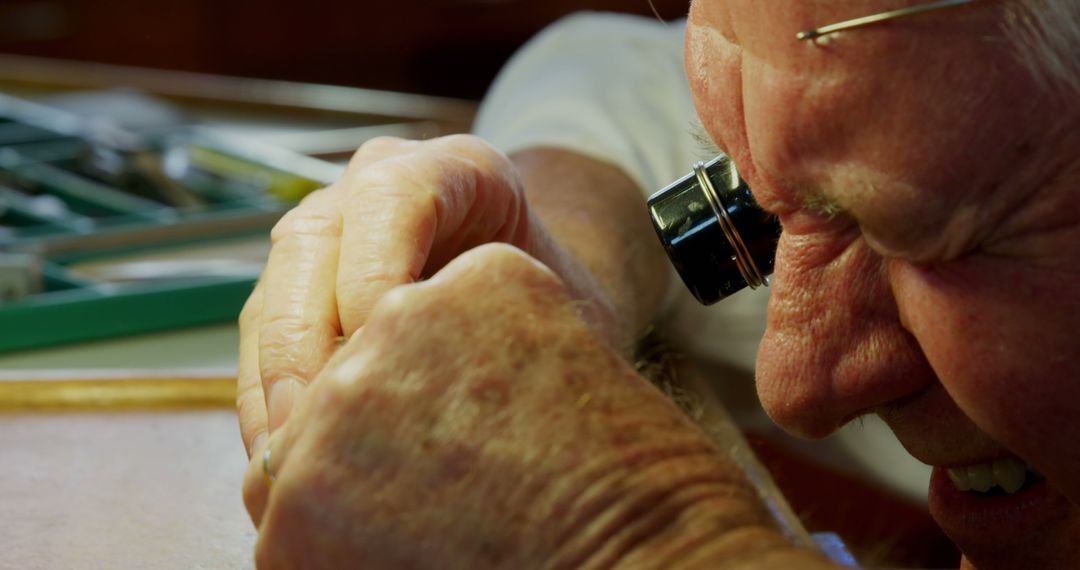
(1035, 528)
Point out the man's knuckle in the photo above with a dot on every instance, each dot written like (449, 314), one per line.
(505, 254)
(480, 154)
(408, 308)
(468, 145)
(280, 330)
(280, 356)
(377, 146)
(509, 261)
(396, 301)
(319, 198)
(402, 177)
(307, 220)
(378, 276)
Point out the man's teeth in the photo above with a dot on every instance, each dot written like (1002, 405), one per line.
(1008, 474)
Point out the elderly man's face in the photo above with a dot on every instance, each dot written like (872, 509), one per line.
(929, 269)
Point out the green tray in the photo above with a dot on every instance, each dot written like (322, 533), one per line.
(58, 216)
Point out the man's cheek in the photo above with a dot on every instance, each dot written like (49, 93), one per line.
(1004, 348)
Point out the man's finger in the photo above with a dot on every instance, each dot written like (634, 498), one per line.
(299, 320)
(389, 226)
(378, 148)
(256, 486)
(250, 402)
(409, 214)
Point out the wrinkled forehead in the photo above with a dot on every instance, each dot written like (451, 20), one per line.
(936, 58)
(772, 26)
(918, 102)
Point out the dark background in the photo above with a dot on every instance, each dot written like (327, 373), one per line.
(439, 47)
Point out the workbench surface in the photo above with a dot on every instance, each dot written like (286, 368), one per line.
(120, 490)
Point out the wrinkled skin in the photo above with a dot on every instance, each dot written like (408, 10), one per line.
(941, 289)
(483, 417)
(456, 431)
(942, 295)
(401, 211)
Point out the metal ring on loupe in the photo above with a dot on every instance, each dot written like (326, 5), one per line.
(745, 262)
(713, 231)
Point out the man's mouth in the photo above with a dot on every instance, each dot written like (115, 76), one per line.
(999, 477)
(995, 507)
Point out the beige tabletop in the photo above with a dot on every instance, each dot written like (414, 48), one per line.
(122, 490)
(100, 488)
(111, 489)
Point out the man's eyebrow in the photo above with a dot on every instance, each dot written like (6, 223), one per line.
(812, 200)
(817, 202)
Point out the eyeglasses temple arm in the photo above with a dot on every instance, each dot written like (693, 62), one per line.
(875, 18)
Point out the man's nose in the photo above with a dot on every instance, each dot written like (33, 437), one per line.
(834, 347)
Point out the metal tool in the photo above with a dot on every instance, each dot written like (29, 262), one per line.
(713, 231)
(125, 161)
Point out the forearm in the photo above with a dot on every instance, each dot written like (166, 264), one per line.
(736, 518)
(707, 537)
(672, 500)
(597, 214)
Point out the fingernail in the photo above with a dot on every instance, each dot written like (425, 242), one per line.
(280, 402)
(257, 443)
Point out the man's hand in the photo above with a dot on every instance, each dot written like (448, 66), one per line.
(401, 212)
(494, 430)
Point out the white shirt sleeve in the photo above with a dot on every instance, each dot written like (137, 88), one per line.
(613, 87)
(608, 86)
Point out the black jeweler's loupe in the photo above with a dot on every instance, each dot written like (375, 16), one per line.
(715, 234)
